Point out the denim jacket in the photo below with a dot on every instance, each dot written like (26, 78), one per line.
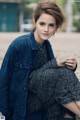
(16, 67)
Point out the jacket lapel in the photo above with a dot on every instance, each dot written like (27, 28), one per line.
(49, 49)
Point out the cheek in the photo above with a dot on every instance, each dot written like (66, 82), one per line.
(52, 31)
(39, 29)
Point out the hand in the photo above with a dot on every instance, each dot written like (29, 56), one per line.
(59, 63)
(70, 63)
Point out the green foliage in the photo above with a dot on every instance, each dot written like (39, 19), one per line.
(76, 16)
(61, 2)
(30, 1)
(76, 24)
(76, 8)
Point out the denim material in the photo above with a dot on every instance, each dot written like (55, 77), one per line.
(14, 76)
(69, 119)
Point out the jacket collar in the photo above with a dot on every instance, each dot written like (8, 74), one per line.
(33, 41)
(35, 47)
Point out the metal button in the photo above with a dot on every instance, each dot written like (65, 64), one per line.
(20, 65)
(24, 88)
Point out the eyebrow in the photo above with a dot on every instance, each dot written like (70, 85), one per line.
(49, 23)
(52, 23)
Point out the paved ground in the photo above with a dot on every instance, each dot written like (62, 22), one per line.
(64, 45)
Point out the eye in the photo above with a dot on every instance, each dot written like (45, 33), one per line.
(42, 23)
(52, 25)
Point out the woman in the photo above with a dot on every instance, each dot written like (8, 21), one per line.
(26, 56)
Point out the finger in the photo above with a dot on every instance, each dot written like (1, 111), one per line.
(69, 63)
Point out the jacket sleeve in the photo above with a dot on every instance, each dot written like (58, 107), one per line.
(6, 72)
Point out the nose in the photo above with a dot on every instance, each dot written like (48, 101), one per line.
(46, 28)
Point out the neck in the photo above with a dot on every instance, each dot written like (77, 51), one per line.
(38, 40)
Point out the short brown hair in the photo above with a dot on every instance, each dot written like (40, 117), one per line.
(51, 8)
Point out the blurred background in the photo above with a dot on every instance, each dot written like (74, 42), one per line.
(16, 20)
(16, 15)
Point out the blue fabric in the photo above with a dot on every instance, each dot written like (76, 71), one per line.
(39, 115)
(69, 119)
(14, 73)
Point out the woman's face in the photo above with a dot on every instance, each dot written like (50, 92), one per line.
(45, 27)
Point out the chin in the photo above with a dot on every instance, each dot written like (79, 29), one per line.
(45, 38)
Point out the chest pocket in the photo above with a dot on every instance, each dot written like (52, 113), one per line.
(22, 65)
(20, 74)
